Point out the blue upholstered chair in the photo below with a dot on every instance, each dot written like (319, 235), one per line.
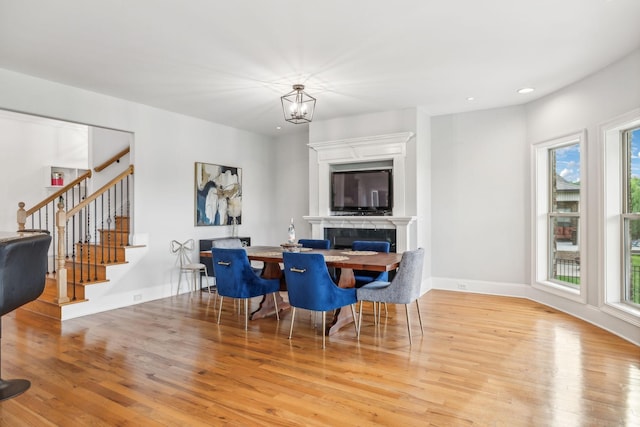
(315, 243)
(232, 243)
(236, 279)
(362, 276)
(311, 288)
(228, 243)
(319, 244)
(403, 289)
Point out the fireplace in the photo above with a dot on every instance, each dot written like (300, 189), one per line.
(341, 238)
(399, 228)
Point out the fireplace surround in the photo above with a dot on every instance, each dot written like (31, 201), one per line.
(390, 148)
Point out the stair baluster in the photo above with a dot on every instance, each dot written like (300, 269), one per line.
(75, 226)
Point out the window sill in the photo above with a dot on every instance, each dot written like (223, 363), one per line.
(561, 291)
(623, 312)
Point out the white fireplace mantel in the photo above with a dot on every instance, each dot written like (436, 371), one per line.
(393, 147)
(402, 225)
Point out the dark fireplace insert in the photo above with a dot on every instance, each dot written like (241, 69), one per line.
(341, 238)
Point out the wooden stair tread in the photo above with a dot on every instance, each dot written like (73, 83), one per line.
(49, 299)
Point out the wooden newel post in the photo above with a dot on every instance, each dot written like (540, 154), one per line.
(22, 216)
(61, 272)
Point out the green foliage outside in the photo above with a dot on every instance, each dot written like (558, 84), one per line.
(569, 279)
(634, 194)
(635, 279)
(634, 191)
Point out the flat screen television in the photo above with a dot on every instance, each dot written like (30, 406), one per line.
(363, 191)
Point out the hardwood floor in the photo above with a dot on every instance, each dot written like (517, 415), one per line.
(483, 361)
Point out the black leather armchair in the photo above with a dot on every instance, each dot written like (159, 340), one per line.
(23, 269)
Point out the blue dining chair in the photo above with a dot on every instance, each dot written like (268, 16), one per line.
(315, 243)
(319, 244)
(311, 288)
(236, 279)
(403, 289)
(363, 276)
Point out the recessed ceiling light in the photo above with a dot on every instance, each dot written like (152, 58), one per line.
(471, 98)
(278, 127)
(526, 90)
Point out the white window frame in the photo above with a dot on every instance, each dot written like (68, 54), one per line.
(612, 194)
(540, 224)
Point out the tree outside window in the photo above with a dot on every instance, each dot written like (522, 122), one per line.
(631, 216)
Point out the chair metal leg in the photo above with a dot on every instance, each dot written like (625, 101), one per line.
(206, 275)
(215, 299)
(419, 317)
(375, 313)
(324, 321)
(355, 320)
(406, 308)
(275, 303)
(246, 314)
(293, 316)
(179, 280)
(360, 319)
(220, 309)
(215, 302)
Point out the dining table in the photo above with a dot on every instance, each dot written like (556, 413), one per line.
(345, 261)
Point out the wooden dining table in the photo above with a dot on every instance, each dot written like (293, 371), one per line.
(343, 259)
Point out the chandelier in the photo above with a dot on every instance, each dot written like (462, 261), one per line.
(298, 106)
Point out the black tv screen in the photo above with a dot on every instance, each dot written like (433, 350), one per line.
(362, 191)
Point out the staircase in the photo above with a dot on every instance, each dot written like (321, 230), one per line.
(89, 238)
(91, 269)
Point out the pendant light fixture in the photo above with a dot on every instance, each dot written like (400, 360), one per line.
(298, 106)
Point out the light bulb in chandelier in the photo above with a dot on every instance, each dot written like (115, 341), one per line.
(298, 111)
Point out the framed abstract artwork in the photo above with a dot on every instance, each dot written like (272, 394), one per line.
(218, 195)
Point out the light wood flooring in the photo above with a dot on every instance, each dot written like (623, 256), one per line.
(483, 361)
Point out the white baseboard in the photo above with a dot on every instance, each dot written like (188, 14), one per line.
(480, 287)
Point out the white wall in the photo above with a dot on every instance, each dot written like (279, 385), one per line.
(423, 203)
(164, 151)
(292, 186)
(29, 146)
(104, 144)
(480, 198)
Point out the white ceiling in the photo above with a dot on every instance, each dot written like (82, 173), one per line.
(230, 61)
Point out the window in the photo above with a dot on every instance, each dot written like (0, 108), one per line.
(621, 290)
(559, 216)
(630, 139)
